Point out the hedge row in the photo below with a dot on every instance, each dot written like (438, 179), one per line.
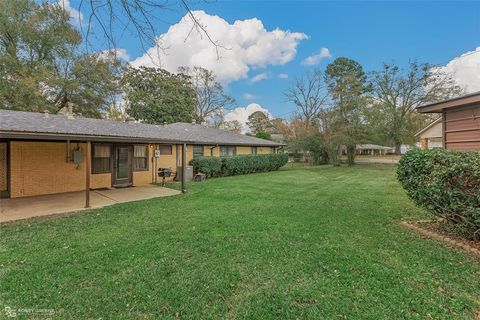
(230, 166)
(447, 184)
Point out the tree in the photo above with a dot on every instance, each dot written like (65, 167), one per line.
(41, 67)
(234, 126)
(263, 135)
(308, 94)
(157, 96)
(397, 92)
(347, 86)
(258, 122)
(211, 100)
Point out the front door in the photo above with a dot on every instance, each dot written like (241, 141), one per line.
(122, 166)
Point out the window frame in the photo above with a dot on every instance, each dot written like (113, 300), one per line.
(227, 153)
(93, 169)
(135, 168)
(254, 150)
(165, 146)
(196, 155)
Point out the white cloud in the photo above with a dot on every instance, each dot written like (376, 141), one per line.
(283, 76)
(465, 69)
(120, 53)
(260, 77)
(76, 16)
(249, 96)
(241, 114)
(316, 58)
(245, 44)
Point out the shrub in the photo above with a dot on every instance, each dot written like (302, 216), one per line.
(243, 164)
(445, 183)
(210, 166)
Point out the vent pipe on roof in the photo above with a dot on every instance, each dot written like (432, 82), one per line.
(46, 114)
(129, 119)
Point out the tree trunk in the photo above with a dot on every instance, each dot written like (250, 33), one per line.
(351, 154)
(398, 148)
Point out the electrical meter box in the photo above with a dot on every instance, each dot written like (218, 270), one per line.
(77, 156)
(157, 153)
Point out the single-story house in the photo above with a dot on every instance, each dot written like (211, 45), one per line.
(460, 121)
(431, 136)
(372, 149)
(46, 154)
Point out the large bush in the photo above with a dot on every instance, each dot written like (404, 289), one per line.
(243, 164)
(210, 166)
(447, 184)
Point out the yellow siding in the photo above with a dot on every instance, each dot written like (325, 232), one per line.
(264, 150)
(100, 180)
(244, 150)
(41, 168)
(144, 177)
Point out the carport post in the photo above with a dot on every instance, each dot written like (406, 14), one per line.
(184, 167)
(88, 160)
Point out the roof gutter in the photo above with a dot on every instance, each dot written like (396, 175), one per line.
(60, 137)
(54, 136)
(438, 107)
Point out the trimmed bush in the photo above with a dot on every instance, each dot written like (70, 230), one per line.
(230, 166)
(210, 166)
(445, 183)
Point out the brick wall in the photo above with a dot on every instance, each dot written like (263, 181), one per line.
(3, 166)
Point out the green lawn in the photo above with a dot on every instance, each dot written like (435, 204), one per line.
(303, 242)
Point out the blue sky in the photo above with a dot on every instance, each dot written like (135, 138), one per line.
(436, 32)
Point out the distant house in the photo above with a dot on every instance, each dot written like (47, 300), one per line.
(46, 154)
(372, 149)
(431, 136)
(460, 121)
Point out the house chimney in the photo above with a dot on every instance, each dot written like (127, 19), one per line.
(193, 121)
(129, 119)
(164, 123)
(46, 114)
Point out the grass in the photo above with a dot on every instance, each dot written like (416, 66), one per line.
(303, 242)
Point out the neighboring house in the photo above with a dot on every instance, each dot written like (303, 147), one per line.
(431, 136)
(460, 121)
(46, 154)
(372, 149)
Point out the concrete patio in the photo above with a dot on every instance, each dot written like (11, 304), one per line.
(24, 208)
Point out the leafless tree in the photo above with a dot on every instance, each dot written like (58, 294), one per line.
(111, 19)
(211, 100)
(309, 95)
(398, 92)
(234, 126)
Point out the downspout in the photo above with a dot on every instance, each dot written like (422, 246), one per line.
(211, 150)
(69, 158)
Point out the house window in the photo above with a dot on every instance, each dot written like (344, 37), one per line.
(254, 150)
(272, 150)
(101, 158)
(197, 151)
(165, 149)
(140, 158)
(227, 151)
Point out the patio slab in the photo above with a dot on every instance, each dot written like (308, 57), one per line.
(24, 208)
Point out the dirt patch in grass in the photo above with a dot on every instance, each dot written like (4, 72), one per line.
(441, 231)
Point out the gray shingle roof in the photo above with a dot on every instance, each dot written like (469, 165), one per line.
(37, 124)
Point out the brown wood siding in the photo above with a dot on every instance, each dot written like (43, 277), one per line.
(462, 128)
